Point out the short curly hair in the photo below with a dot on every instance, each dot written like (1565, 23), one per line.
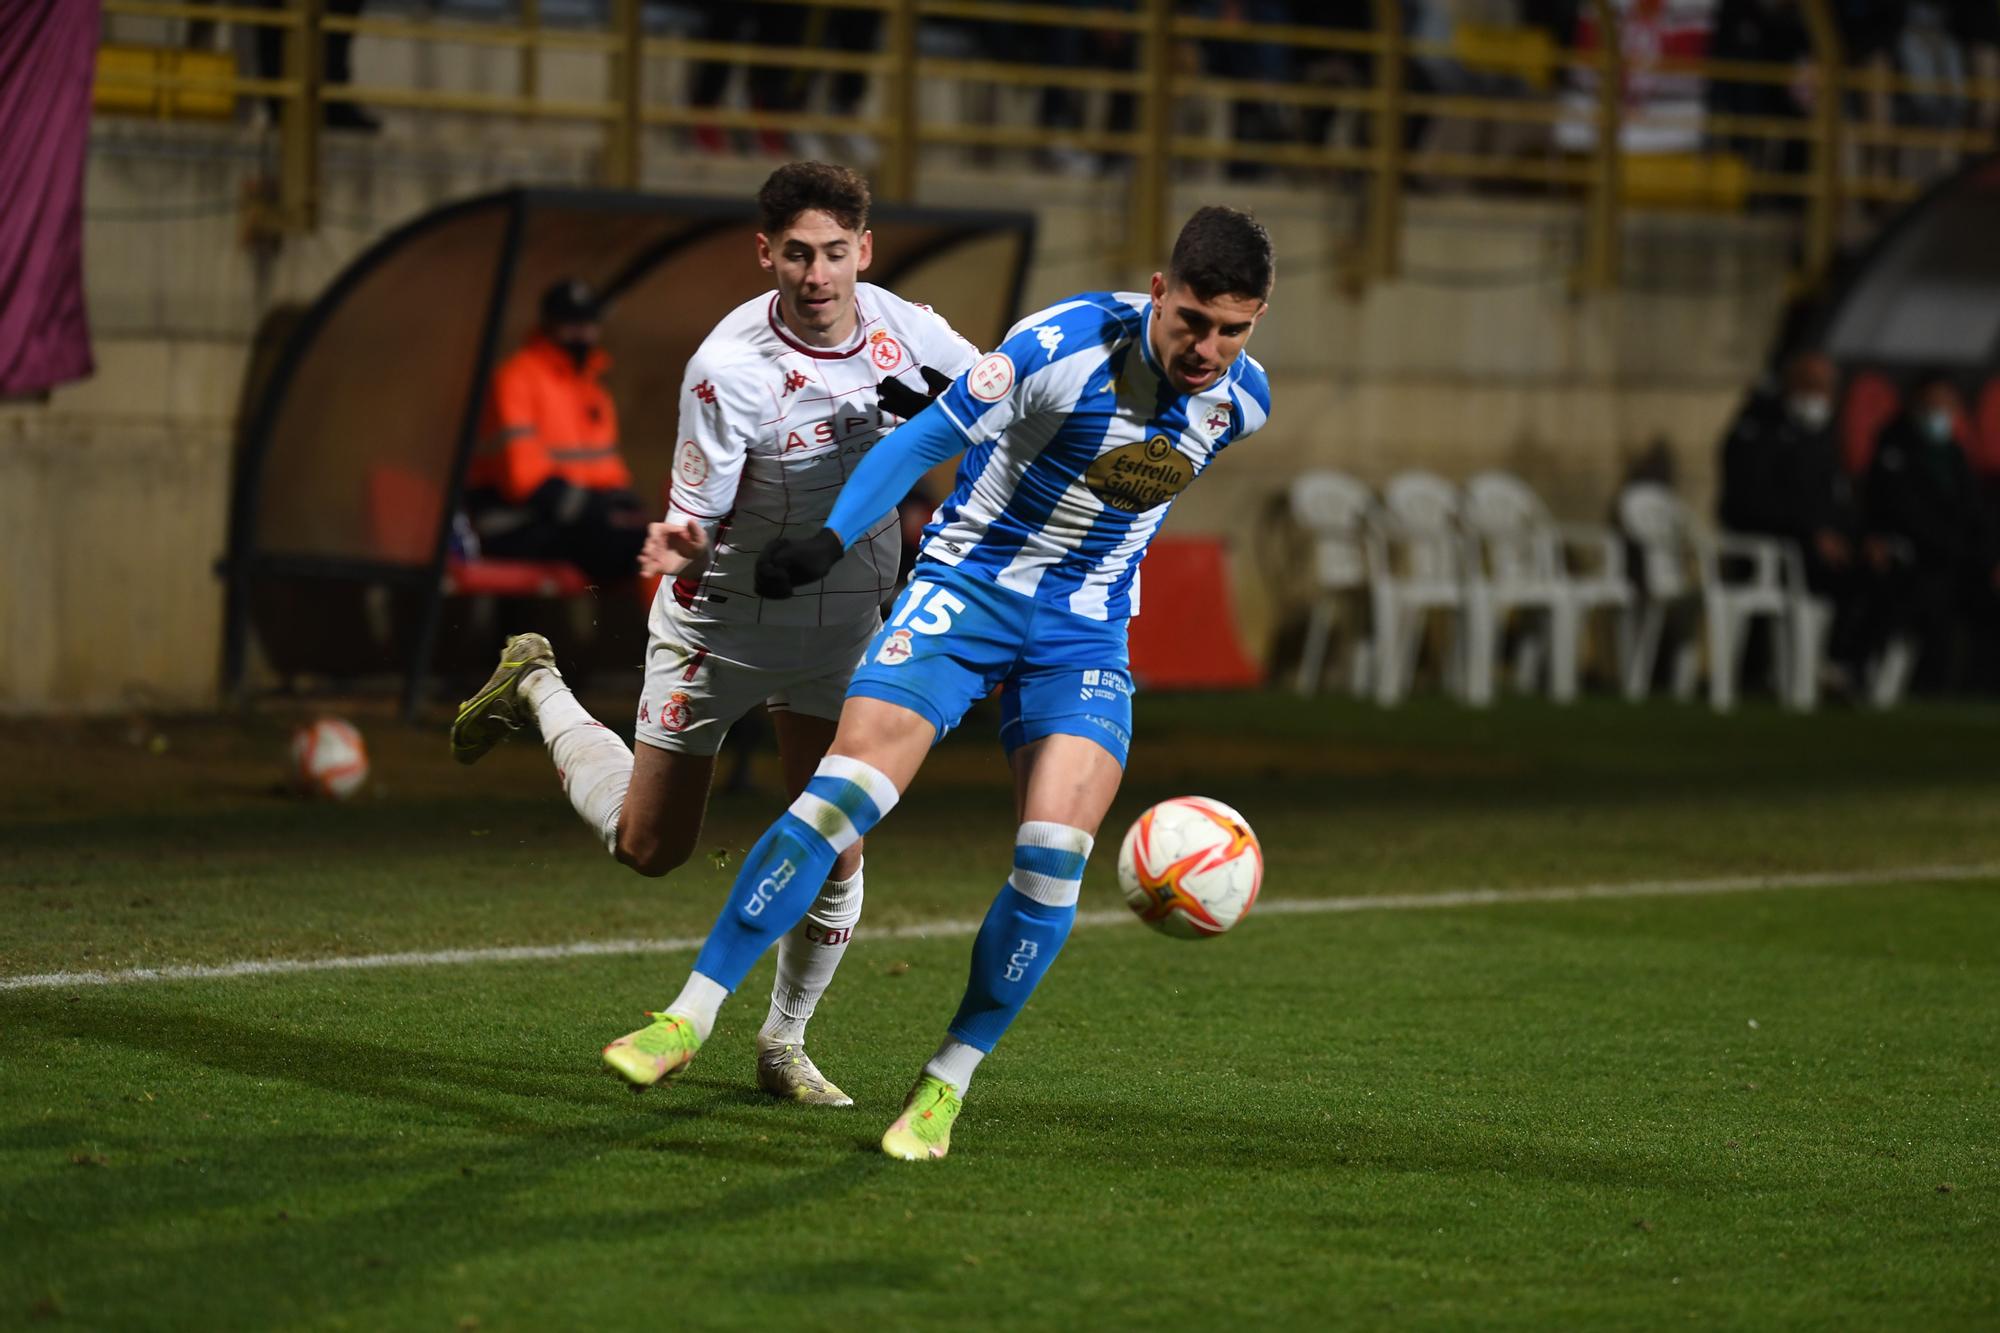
(1223, 252)
(804, 187)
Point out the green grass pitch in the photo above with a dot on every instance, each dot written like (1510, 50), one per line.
(1766, 1109)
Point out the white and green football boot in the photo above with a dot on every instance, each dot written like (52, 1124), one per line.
(487, 717)
(923, 1132)
(659, 1050)
(785, 1070)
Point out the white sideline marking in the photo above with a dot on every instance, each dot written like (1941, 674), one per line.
(1390, 902)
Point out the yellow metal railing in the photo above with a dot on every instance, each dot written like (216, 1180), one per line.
(1842, 151)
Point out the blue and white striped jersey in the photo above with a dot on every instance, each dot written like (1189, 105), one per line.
(1077, 444)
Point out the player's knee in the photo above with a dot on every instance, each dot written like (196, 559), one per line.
(652, 853)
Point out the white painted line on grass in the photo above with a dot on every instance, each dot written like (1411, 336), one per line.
(1391, 902)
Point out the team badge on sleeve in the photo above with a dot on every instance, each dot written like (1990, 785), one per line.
(691, 467)
(992, 378)
(895, 649)
(674, 713)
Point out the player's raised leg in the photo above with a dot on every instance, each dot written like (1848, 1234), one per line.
(811, 951)
(1064, 784)
(646, 809)
(876, 752)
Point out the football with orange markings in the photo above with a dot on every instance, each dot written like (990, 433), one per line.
(1190, 867)
(329, 759)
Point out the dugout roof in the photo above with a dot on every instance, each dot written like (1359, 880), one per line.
(353, 452)
(1922, 298)
(1927, 293)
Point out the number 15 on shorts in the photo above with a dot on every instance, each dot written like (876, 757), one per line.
(937, 607)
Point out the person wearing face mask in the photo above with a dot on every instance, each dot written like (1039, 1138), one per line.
(1782, 477)
(1928, 522)
(547, 481)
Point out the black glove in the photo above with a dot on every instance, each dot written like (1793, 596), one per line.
(786, 564)
(899, 399)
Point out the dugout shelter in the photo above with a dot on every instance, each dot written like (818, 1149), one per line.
(352, 459)
(1923, 297)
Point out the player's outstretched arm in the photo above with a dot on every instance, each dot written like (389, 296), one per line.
(884, 477)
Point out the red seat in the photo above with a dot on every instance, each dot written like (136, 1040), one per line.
(1985, 448)
(1871, 402)
(403, 512)
(1184, 637)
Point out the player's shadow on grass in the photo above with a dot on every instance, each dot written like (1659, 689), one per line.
(1296, 1145)
(487, 1085)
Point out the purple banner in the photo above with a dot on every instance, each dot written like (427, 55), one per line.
(48, 56)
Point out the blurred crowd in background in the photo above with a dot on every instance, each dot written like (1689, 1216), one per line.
(1492, 48)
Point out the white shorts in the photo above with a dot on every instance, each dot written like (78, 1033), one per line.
(702, 675)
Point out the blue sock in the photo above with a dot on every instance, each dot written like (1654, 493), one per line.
(1023, 931)
(783, 873)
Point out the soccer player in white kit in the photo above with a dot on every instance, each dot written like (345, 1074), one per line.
(778, 406)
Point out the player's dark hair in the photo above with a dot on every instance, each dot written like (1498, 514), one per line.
(1223, 252)
(803, 187)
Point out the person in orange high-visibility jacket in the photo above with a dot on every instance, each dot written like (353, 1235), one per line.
(547, 481)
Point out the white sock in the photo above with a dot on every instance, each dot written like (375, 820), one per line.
(808, 955)
(594, 765)
(954, 1063)
(698, 1002)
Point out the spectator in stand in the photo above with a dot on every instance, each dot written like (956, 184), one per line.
(1063, 108)
(1782, 477)
(1268, 63)
(1766, 32)
(548, 482)
(1328, 67)
(771, 87)
(336, 63)
(1946, 41)
(1927, 520)
(850, 30)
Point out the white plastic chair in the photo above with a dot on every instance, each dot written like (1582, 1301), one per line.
(1515, 563)
(1333, 508)
(1682, 558)
(1416, 565)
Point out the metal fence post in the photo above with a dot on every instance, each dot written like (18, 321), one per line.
(1600, 266)
(300, 120)
(531, 50)
(1829, 147)
(1385, 194)
(900, 175)
(621, 148)
(1153, 170)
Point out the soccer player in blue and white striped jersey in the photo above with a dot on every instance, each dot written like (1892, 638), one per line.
(1077, 435)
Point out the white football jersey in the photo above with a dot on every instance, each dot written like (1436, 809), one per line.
(769, 430)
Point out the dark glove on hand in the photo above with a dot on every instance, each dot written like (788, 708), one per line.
(785, 564)
(899, 399)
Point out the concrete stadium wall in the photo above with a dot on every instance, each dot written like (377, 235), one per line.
(113, 493)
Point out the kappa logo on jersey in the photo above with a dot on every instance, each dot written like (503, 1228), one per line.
(674, 713)
(1050, 337)
(887, 353)
(895, 649)
(706, 392)
(795, 380)
(644, 716)
(691, 466)
(992, 378)
(1137, 477)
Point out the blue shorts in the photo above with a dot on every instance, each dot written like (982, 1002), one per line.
(954, 636)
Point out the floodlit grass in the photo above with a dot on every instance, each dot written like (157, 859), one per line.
(1760, 1110)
